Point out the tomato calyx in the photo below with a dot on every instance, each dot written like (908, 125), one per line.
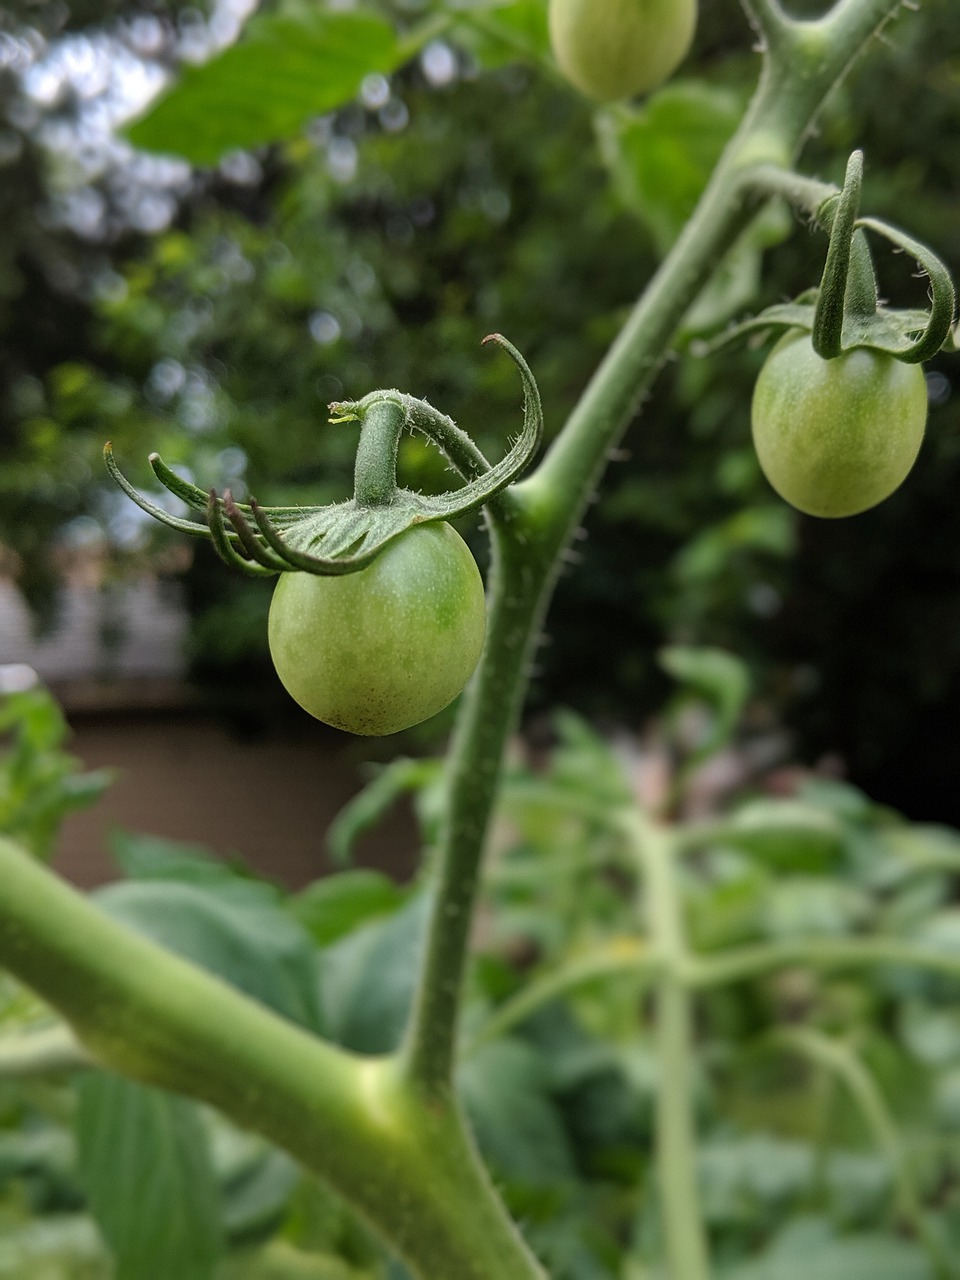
(347, 536)
(844, 312)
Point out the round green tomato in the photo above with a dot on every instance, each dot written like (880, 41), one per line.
(835, 437)
(615, 49)
(381, 649)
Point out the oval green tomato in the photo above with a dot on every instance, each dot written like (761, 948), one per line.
(835, 437)
(615, 49)
(381, 649)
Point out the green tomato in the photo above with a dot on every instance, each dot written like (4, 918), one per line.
(835, 437)
(381, 649)
(615, 49)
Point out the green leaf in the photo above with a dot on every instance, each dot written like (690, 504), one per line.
(147, 857)
(145, 1166)
(498, 33)
(369, 806)
(336, 905)
(720, 679)
(811, 906)
(784, 833)
(285, 69)
(808, 1247)
(517, 1124)
(255, 946)
(40, 783)
(661, 154)
(255, 1198)
(368, 980)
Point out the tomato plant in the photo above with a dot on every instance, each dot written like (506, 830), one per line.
(377, 622)
(835, 437)
(376, 651)
(615, 49)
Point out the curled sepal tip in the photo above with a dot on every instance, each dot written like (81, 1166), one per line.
(346, 537)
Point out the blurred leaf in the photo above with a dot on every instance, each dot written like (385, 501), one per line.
(148, 857)
(255, 1198)
(720, 679)
(40, 783)
(368, 979)
(931, 1034)
(499, 33)
(55, 1247)
(743, 1179)
(805, 907)
(336, 905)
(285, 69)
(809, 1247)
(517, 1124)
(253, 945)
(370, 805)
(661, 154)
(145, 1166)
(783, 833)
(280, 1260)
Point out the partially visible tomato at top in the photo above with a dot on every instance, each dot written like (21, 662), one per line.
(615, 49)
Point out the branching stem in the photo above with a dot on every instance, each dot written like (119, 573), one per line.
(535, 521)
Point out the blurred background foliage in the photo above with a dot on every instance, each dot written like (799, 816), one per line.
(211, 313)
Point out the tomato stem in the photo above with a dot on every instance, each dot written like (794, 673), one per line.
(382, 419)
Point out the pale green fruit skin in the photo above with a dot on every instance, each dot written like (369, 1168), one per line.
(835, 437)
(379, 650)
(614, 49)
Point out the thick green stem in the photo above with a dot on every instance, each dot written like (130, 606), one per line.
(520, 579)
(404, 1162)
(536, 520)
(676, 1139)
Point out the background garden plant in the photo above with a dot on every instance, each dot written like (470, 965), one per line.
(358, 1083)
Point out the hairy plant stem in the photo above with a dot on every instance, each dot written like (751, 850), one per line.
(534, 522)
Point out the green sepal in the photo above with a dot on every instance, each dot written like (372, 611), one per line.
(844, 312)
(346, 536)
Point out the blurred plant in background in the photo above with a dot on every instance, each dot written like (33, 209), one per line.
(826, 941)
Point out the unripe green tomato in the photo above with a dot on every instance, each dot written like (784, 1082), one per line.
(381, 649)
(835, 437)
(615, 49)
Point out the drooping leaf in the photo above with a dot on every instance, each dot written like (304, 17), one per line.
(285, 69)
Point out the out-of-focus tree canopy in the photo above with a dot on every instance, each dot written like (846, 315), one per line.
(212, 314)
